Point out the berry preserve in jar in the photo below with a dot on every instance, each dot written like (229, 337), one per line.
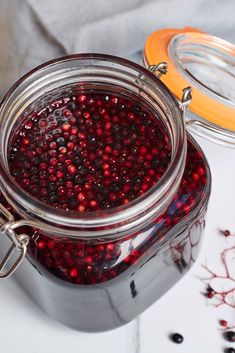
(104, 194)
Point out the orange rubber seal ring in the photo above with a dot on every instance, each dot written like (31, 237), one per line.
(156, 51)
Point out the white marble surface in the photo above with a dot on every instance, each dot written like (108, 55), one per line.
(25, 329)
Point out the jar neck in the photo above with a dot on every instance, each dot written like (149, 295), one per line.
(93, 70)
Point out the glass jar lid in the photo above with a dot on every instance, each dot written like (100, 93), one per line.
(205, 63)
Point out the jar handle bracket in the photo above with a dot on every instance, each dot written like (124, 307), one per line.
(161, 69)
(186, 100)
(158, 69)
(19, 242)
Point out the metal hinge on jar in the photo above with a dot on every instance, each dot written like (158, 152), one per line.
(8, 225)
(161, 69)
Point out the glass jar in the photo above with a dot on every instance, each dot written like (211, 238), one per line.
(98, 270)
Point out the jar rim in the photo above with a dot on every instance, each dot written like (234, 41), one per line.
(126, 215)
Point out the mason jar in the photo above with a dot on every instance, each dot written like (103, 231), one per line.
(96, 268)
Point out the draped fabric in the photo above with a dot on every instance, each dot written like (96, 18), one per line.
(34, 31)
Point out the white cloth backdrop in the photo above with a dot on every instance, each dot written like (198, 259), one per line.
(34, 31)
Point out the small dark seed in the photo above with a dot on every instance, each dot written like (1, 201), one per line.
(77, 160)
(73, 203)
(136, 181)
(57, 113)
(79, 180)
(116, 187)
(72, 106)
(51, 187)
(82, 170)
(35, 161)
(116, 128)
(53, 197)
(177, 338)
(209, 289)
(61, 141)
(133, 289)
(15, 173)
(155, 162)
(92, 139)
(96, 117)
(60, 182)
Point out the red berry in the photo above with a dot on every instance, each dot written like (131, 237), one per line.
(41, 244)
(73, 272)
(226, 232)
(81, 98)
(223, 323)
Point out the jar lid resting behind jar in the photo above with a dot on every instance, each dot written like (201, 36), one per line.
(206, 63)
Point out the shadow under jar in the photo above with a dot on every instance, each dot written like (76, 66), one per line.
(102, 189)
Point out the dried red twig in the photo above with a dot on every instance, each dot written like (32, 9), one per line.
(227, 295)
(221, 286)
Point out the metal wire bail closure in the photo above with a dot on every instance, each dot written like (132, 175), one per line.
(186, 99)
(159, 69)
(162, 69)
(19, 242)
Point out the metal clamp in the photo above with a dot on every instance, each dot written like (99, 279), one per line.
(19, 242)
(186, 100)
(159, 69)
